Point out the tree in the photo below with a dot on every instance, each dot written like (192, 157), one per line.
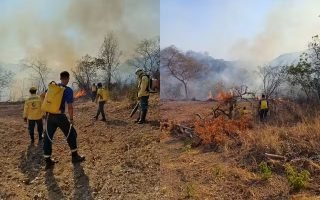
(85, 72)
(5, 79)
(180, 66)
(39, 66)
(147, 56)
(272, 78)
(302, 74)
(109, 57)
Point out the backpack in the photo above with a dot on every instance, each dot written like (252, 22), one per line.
(53, 98)
(153, 84)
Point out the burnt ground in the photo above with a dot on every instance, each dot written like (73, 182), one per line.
(122, 158)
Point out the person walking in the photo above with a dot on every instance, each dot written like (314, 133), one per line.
(102, 97)
(263, 108)
(32, 114)
(93, 92)
(59, 120)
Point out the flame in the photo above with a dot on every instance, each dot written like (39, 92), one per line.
(224, 96)
(80, 93)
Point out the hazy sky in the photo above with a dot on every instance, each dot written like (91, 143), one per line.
(256, 30)
(62, 31)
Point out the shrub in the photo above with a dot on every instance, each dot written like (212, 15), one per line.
(218, 130)
(297, 180)
(265, 170)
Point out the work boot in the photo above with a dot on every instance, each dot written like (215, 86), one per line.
(76, 158)
(50, 163)
(104, 120)
(143, 117)
(139, 117)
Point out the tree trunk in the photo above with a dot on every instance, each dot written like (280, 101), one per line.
(185, 89)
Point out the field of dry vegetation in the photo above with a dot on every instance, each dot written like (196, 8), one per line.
(122, 158)
(242, 158)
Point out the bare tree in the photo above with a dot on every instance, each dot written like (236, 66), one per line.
(40, 68)
(272, 78)
(147, 56)
(109, 58)
(5, 79)
(181, 67)
(85, 72)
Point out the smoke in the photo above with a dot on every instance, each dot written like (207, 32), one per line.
(288, 28)
(63, 31)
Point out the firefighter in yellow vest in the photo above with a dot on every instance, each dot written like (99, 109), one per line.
(93, 92)
(143, 95)
(263, 108)
(58, 99)
(33, 115)
(102, 97)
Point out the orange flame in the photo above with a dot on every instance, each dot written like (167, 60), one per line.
(224, 96)
(80, 93)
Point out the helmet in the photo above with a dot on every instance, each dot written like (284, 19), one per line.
(33, 88)
(138, 71)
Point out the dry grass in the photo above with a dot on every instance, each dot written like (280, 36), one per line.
(292, 131)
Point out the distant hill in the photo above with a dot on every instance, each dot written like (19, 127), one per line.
(231, 72)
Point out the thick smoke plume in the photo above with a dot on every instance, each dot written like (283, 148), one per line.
(63, 31)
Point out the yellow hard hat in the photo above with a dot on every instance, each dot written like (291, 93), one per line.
(33, 89)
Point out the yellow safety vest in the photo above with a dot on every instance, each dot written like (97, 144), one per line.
(94, 88)
(263, 104)
(103, 94)
(32, 108)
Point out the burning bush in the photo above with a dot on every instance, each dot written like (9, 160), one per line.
(80, 93)
(217, 131)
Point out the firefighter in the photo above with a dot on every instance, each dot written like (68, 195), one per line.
(263, 108)
(32, 114)
(143, 95)
(102, 97)
(59, 119)
(93, 92)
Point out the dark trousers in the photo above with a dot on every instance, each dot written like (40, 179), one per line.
(263, 114)
(101, 110)
(31, 126)
(53, 122)
(144, 103)
(93, 96)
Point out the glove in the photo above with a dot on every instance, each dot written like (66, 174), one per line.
(25, 119)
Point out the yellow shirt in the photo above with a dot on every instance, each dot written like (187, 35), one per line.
(94, 88)
(143, 85)
(102, 94)
(32, 108)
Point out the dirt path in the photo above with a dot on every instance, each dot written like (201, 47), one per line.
(122, 158)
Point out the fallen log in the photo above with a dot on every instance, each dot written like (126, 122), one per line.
(274, 156)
